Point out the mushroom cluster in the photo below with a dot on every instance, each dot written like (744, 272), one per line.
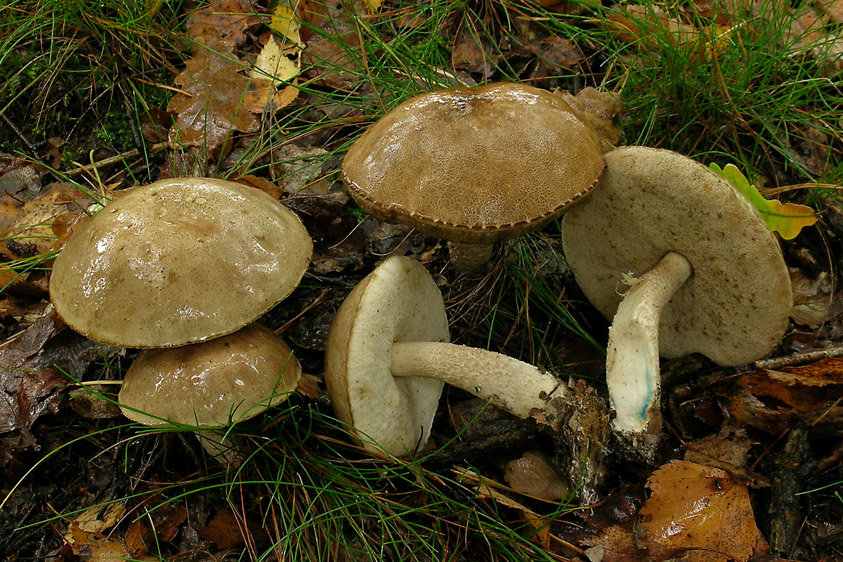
(180, 262)
(704, 275)
(474, 165)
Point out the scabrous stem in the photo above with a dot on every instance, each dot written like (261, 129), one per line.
(508, 383)
(632, 357)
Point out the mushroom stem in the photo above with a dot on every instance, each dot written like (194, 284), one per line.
(510, 384)
(469, 258)
(632, 359)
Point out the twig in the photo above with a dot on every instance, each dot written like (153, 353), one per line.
(798, 358)
(134, 153)
(32, 148)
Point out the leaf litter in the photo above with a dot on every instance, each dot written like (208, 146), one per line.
(226, 92)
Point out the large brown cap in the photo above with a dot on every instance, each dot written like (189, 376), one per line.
(229, 379)
(179, 261)
(734, 307)
(475, 165)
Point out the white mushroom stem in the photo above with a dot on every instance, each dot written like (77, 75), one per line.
(632, 359)
(509, 384)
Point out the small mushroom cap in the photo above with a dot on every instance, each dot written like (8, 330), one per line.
(398, 302)
(229, 379)
(179, 261)
(475, 165)
(735, 306)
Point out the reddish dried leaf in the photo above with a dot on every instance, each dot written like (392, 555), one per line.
(775, 400)
(698, 512)
(167, 518)
(223, 530)
(155, 124)
(29, 369)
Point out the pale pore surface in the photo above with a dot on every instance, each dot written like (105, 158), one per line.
(229, 379)
(735, 306)
(474, 164)
(179, 261)
(402, 304)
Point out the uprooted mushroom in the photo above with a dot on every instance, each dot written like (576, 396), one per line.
(682, 263)
(388, 356)
(474, 165)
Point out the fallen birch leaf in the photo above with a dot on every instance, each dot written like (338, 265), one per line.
(272, 68)
(787, 219)
(285, 22)
(697, 512)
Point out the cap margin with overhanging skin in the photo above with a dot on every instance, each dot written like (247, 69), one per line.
(474, 165)
(228, 379)
(179, 261)
(735, 306)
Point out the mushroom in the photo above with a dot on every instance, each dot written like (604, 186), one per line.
(705, 276)
(387, 357)
(474, 165)
(179, 261)
(211, 384)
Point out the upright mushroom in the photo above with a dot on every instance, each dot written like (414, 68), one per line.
(705, 275)
(387, 357)
(179, 261)
(211, 384)
(474, 165)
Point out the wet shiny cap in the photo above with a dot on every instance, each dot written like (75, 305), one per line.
(179, 261)
(229, 379)
(475, 165)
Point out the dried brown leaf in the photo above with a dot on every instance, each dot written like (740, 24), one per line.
(221, 25)
(331, 40)
(223, 530)
(32, 232)
(697, 512)
(534, 474)
(776, 400)
(811, 298)
(212, 107)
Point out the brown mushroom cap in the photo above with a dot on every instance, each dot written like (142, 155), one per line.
(474, 165)
(179, 261)
(232, 378)
(735, 306)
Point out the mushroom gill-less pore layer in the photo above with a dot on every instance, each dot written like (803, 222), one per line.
(396, 414)
(735, 306)
(229, 379)
(179, 261)
(474, 165)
